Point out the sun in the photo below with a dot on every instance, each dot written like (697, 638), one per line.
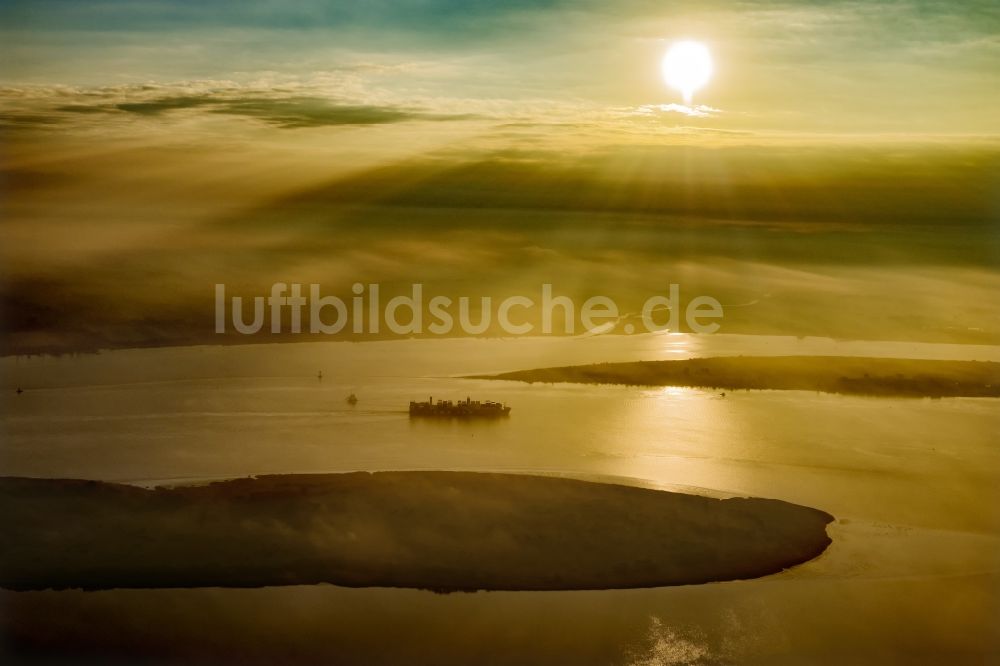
(687, 66)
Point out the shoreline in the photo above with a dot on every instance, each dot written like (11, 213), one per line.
(441, 531)
(844, 375)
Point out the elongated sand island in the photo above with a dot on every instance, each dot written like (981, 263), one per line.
(900, 377)
(445, 531)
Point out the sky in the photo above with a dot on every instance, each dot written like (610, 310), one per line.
(839, 171)
(910, 66)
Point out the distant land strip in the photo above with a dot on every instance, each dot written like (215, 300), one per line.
(899, 377)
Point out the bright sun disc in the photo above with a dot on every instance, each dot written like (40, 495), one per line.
(687, 66)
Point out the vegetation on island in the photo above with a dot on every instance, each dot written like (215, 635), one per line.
(444, 531)
(830, 374)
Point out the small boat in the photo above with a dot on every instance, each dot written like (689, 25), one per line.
(352, 399)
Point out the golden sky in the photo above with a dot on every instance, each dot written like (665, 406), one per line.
(840, 170)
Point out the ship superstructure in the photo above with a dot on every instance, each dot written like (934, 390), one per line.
(467, 408)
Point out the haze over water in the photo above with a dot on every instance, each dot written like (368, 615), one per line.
(825, 171)
(913, 569)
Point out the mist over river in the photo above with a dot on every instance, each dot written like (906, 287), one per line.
(913, 574)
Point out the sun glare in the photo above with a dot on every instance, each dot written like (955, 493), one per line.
(687, 66)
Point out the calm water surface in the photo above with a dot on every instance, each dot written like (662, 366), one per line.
(912, 574)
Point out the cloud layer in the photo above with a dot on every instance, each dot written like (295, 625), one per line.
(837, 173)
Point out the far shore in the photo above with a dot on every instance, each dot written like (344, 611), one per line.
(890, 377)
(442, 531)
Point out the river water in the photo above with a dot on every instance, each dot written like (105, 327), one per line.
(913, 574)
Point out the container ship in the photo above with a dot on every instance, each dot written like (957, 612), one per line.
(465, 409)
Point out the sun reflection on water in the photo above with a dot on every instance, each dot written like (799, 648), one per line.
(665, 646)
